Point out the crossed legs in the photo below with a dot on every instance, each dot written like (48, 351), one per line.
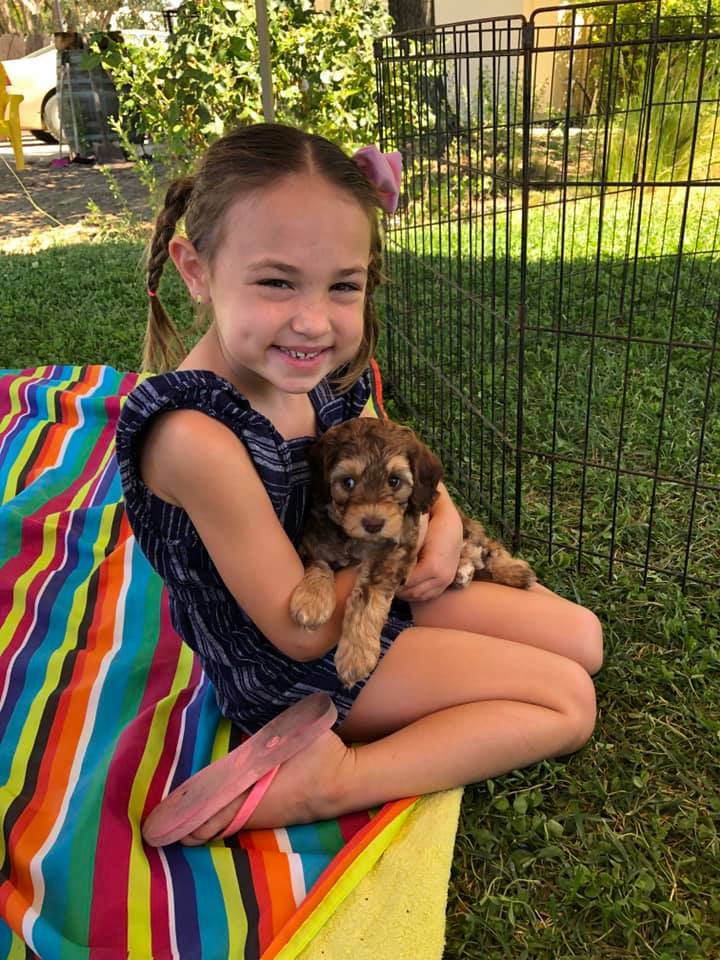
(489, 679)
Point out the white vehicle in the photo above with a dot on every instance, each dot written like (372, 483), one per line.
(35, 77)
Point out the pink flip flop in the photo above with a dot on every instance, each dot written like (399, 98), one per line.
(253, 764)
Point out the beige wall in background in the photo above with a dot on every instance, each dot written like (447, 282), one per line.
(549, 70)
(452, 11)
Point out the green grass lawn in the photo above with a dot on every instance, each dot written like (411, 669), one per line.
(612, 853)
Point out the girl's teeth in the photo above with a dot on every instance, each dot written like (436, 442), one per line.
(296, 355)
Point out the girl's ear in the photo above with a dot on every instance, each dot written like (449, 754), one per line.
(190, 266)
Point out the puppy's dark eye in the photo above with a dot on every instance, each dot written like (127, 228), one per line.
(347, 483)
(393, 481)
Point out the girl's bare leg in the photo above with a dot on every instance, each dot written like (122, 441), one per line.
(443, 708)
(537, 617)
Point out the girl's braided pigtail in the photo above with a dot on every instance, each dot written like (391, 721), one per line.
(375, 277)
(164, 347)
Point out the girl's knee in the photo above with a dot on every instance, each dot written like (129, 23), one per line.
(588, 640)
(580, 706)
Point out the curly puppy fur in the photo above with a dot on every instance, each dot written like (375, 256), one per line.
(371, 482)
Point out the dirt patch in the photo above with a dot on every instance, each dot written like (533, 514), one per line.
(32, 200)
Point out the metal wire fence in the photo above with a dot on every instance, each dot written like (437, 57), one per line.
(553, 310)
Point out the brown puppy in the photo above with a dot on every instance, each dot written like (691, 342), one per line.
(371, 481)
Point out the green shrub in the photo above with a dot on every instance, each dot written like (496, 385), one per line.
(206, 79)
(680, 129)
(637, 32)
(657, 79)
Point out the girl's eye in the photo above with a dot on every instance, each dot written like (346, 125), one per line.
(348, 483)
(274, 283)
(393, 482)
(346, 287)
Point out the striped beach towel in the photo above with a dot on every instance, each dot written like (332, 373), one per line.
(103, 710)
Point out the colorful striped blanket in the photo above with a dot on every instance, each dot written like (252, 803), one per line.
(103, 710)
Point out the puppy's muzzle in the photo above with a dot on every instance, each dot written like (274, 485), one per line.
(372, 524)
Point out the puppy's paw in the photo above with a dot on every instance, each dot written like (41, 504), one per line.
(473, 559)
(355, 661)
(312, 603)
(465, 573)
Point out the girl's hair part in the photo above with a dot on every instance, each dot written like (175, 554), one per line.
(244, 160)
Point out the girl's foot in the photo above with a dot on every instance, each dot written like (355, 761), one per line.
(307, 787)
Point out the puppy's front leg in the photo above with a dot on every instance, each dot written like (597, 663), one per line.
(366, 611)
(313, 599)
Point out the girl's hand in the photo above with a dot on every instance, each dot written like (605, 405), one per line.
(422, 531)
(438, 556)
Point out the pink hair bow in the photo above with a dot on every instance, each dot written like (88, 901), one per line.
(384, 171)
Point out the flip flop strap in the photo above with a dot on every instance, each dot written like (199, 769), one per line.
(247, 807)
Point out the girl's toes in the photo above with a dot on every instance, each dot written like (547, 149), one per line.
(214, 826)
(191, 841)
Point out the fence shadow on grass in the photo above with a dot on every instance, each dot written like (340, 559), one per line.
(596, 429)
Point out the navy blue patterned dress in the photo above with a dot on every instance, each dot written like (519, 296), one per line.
(253, 680)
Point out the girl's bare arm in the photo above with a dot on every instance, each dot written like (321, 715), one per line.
(199, 464)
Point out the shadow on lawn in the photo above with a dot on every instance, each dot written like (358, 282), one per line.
(621, 399)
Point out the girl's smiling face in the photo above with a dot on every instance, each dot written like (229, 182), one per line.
(287, 285)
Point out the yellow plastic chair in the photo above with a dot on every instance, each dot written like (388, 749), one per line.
(10, 119)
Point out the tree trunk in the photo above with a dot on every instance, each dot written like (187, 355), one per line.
(411, 14)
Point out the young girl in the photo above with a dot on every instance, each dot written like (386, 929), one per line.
(283, 252)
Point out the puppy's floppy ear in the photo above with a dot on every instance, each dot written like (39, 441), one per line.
(325, 453)
(427, 474)
(319, 457)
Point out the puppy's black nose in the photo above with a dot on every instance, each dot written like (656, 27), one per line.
(373, 524)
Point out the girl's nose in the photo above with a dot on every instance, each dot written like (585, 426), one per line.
(312, 319)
